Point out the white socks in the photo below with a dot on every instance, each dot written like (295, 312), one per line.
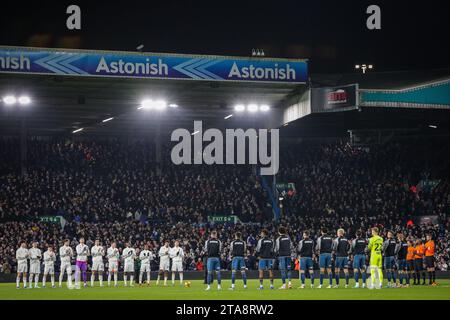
(36, 280)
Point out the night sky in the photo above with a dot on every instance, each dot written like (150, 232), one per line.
(332, 34)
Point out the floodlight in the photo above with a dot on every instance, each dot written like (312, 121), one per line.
(239, 107)
(24, 100)
(9, 100)
(264, 108)
(160, 104)
(252, 107)
(146, 104)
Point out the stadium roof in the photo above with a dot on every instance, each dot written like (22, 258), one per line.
(80, 88)
(382, 80)
(63, 103)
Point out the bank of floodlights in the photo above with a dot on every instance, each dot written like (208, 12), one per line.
(251, 108)
(258, 53)
(149, 104)
(10, 100)
(363, 67)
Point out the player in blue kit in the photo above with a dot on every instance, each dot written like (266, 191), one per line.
(341, 248)
(358, 250)
(389, 253)
(324, 246)
(284, 249)
(305, 251)
(265, 252)
(237, 253)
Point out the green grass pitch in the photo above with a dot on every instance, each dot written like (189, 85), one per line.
(197, 292)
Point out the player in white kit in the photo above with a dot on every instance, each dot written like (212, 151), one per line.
(113, 256)
(128, 255)
(81, 262)
(146, 256)
(65, 254)
(164, 262)
(49, 266)
(35, 264)
(177, 254)
(22, 255)
(97, 252)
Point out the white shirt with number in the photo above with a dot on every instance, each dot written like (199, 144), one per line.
(164, 258)
(113, 259)
(35, 260)
(65, 254)
(128, 255)
(22, 255)
(97, 253)
(49, 262)
(82, 252)
(145, 256)
(177, 255)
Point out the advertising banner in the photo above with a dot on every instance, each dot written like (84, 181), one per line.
(332, 99)
(150, 65)
(223, 219)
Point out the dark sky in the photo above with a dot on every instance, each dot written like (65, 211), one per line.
(332, 34)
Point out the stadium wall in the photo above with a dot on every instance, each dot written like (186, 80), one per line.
(200, 275)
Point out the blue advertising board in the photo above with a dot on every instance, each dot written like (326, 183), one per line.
(150, 65)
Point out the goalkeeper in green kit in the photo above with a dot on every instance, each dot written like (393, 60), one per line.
(376, 259)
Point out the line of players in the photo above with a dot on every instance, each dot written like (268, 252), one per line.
(403, 259)
(399, 256)
(66, 254)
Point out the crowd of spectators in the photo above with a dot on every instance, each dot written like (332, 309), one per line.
(115, 190)
(194, 235)
(111, 181)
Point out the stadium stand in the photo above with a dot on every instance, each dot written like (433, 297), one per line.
(112, 190)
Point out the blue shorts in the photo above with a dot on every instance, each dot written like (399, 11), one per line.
(402, 266)
(341, 263)
(359, 262)
(306, 263)
(429, 262)
(213, 264)
(238, 263)
(265, 264)
(418, 265)
(325, 260)
(389, 262)
(284, 263)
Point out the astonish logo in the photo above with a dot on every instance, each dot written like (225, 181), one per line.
(252, 72)
(14, 63)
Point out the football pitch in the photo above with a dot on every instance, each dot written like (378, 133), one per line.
(197, 291)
